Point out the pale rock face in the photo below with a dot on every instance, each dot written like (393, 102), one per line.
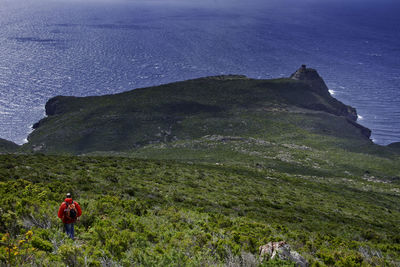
(281, 250)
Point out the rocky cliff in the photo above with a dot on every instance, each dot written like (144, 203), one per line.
(311, 77)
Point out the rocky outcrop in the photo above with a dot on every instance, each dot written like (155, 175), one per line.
(281, 250)
(59, 105)
(364, 130)
(316, 83)
(51, 106)
(312, 78)
(350, 113)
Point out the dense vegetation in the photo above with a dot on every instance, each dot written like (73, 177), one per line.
(202, 173)
(153, 212)
(226, 105)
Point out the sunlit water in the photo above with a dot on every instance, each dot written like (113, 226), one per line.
(57, 47)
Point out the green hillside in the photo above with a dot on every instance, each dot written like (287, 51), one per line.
(224, 105)
(165, 213)
(202, 173)
(7, 146)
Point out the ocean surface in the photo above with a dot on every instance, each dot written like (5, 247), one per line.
(95, 47)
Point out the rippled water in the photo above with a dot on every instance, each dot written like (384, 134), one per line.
(57, 47)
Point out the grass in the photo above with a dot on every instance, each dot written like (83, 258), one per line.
(152, 212)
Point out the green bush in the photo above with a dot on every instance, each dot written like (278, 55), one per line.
(351, 261)
(41, 244)
(151, 228)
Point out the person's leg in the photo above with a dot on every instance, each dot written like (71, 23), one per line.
(69, 229)
(72, 231)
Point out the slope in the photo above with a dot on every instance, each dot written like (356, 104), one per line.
(164, 213)
(8, 146)
(222, 105)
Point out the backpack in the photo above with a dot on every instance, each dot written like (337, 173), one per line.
(70, 211)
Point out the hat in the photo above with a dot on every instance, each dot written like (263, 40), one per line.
(69, 195)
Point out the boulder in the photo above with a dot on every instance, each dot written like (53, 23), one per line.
(281, 250)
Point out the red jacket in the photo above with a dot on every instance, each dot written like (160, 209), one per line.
(64, 206)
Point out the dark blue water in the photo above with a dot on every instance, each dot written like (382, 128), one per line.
(57, 47)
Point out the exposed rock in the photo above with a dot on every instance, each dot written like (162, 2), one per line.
(36, 125)
(281, 250)
(223, 139)
(364, 130)
(311, 77)
(293, 146)
(37, 148)
(58, 105)
(51, 107)
(369, 253)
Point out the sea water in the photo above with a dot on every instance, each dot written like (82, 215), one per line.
(95, 47)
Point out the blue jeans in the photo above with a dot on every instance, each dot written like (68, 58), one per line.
(69, 229)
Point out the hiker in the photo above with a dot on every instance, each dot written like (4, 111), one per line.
(69, 212)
